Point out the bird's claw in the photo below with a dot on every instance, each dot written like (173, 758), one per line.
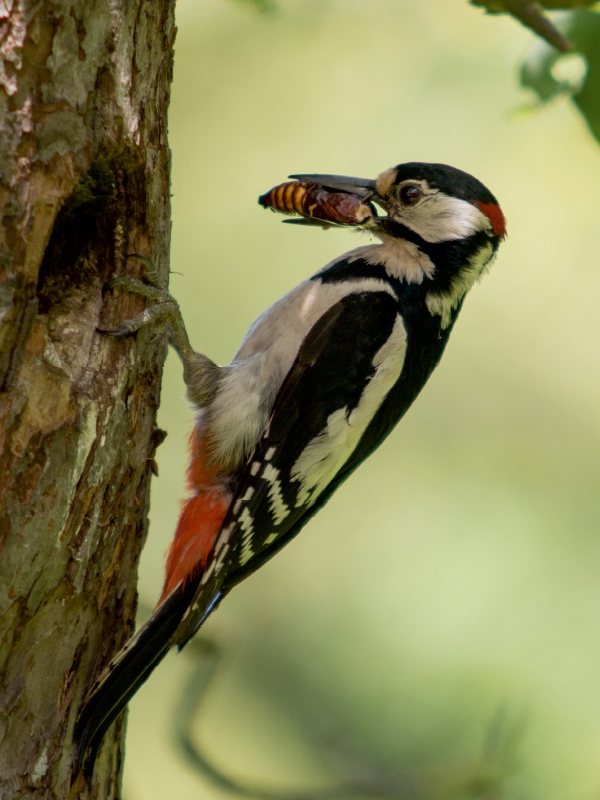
(162, 313)
(119, 332)
(163, 310)
(137, 286)
(158, 314)
(150, 271)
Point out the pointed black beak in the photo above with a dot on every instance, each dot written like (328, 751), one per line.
(361, 187)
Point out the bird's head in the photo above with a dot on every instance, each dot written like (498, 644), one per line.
(442, 227)
(436, 202)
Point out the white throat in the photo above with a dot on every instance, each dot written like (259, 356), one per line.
(401, 259)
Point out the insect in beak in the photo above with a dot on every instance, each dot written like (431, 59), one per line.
(364, 188)
(325, 200)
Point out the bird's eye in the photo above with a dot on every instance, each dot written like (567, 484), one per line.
(410, 195)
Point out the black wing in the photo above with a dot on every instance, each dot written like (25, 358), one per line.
(288, 476)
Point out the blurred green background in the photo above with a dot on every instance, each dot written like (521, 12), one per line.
(450, 591)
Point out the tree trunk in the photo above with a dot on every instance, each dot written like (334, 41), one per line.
(84, 163)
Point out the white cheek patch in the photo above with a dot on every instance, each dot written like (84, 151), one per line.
(441, 218)
(323, 457)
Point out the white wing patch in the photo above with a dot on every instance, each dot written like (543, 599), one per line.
(323, 457)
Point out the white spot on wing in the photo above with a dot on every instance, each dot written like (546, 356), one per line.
(254, 468)
(247, 525)
(270, 453)
(323, 457)
(245, 520)
(208, 574)
(221, 558)
(224, 537)
(276, 501)
(270, 538)
(247, 551)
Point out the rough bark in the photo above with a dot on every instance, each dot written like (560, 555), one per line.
(84, 163)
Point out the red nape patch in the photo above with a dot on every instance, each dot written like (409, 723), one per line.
(495, 216)
(201, 515)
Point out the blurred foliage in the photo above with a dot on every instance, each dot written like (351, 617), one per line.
(482, 779)
(531, 14)
(528, 12)
(264, 6)
(541, 71)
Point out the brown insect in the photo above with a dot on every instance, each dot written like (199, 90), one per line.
(314, 201)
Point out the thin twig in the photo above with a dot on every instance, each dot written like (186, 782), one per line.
(531, 14)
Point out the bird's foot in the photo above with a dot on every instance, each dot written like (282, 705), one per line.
(163, 310)
(200, 374)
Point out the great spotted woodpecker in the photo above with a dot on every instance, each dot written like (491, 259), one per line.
(319, 381)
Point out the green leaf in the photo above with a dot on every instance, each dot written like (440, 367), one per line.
(585, 33)
(541, 69)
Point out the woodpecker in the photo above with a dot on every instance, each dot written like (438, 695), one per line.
(320, 380)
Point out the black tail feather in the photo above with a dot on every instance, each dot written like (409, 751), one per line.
(86, 762)
(126, 673)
